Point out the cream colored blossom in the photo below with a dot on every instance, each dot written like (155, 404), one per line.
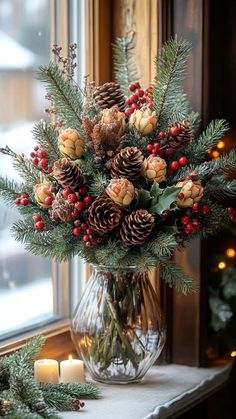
(70, 143)
(192, 191)
(154, 168)
(144, 120)
(121, 191)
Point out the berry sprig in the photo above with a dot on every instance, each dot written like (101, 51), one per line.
(39, 158)
(232, 214)
(138, 98)
(192, 222)
(39, 224)
(23, 199)
(77, 404)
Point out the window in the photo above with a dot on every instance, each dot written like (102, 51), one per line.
(32, 290)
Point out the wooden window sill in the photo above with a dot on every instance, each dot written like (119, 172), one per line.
(166, 392)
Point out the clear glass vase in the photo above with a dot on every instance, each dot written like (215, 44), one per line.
(118, 328)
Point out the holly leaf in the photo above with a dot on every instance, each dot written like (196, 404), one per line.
(166, 200)
(143, 199)
(155, 192)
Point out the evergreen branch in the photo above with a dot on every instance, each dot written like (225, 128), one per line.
(194, 121)
(215, 220)
(209, 138)
(170, 69)
(74, 390)
(27, 170)
(66, 97)
(46, 137)
(98, 184)
(9, 190)
(163, 245)
(124, 64)
(175, 277)
(219, 188)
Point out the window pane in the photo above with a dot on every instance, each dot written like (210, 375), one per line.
(26, 294)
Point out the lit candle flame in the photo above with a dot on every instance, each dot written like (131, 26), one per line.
(233, 354)
(70, 358)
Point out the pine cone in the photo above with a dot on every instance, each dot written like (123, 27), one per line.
(121, 191)
(108, 95)
(127, 163)
(61, 208)
(154, 168)
(192, 192)
(68, 174)
(184, 134)
(103, 215)
(137, 227)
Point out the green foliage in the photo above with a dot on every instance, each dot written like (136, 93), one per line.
(68, 100)
(165, 200)
(219, 187)
(163, 245)
(175, 277)
(46, 137)
(196, 150)
(98, 184)
(216, 220)
(124, 64)
(170, 70)
(9, 190)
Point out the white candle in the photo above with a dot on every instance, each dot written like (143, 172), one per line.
(72, 370)
(46, 371)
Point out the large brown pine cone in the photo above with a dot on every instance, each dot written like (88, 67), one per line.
(127, 163)
(137, 227)
(184, 136)
(108, 95)
(61, 208)
(68, 174)
(103, 215)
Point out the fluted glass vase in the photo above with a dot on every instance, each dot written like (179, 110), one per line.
(118, 328)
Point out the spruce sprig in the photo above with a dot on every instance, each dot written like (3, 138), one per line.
(68, 99)
(46, 137)
(9, 190)
(170, 70)
(174, 276)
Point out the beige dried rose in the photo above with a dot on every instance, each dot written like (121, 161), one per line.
(44, 195)
(121, 191)
(154, 168)
(144, 120)
(192, 192)
(70, 143)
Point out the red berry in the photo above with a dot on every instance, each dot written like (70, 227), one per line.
(205, 209)
(196, 207)
(35, 161)
(129, 100)
(233, 218)
(74, 401)
(32, 154)
(84, 226)
(156, 146)
(48, 200)
(135, 106)
(39, 225)
(79, 205)
(75, 213)
(87, 199)
(149, 148)
(132, 87)
(129, 111)
(43, 163)
(184, 219)
(77, 223)
(195, 221)
(180, 195)
(154, 154)
(140, 92)
(88, 231)
(174, 165)
(174, 131)
(24, 201)
(230, 211)
(37, 217)
(137, 85)
(150, 104)
(24, 195)
(36, 148)
(188, 229)
(83, 190)
(42, 154)
(82, 404)
(17, 201)
(183, 161)
(66, 192)
(135, 97)
(71, 198)
(76, 231)
(161, 134)
(85, 238)
(169, 151)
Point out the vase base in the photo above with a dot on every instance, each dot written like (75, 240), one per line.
(118, 381)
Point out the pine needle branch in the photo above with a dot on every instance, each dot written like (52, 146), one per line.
(170, 70)
(46, 137)
(9, 190)
(124, 64)
(67, 98)
(74, 390)
(220, 188)
(163, 245)
(175, 277)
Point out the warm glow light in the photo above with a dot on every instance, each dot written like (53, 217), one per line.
(222, 265)
(215, 154)
(233, 354)
(70, 358)
(220, 144)
(230, 253)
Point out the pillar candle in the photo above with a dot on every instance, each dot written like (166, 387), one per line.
(46, 371)
(72, 370)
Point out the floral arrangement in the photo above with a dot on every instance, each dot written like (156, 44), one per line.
(122, 175)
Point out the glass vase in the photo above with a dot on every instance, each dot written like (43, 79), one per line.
(118, 327)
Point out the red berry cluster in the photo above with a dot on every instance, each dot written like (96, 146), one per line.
(22, 200)
(174, 131)
(39, 158)
(80, 199)
(138, 98)
(232, 214)
(175, 164)
(154, 149)
(39, 224)
(192, 223)
(77, 404)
